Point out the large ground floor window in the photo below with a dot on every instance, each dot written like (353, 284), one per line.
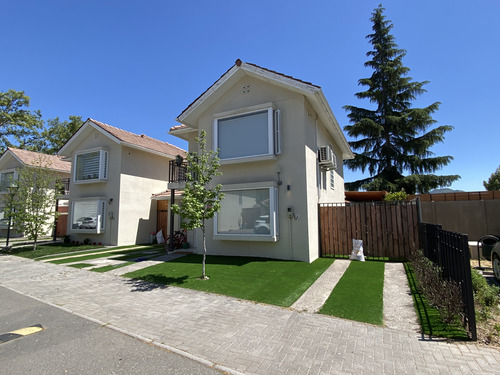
(88, 216)
(248, 214)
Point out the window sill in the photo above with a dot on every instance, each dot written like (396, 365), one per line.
(236, 237)
(92, 181)
(248, 159)
(91, 231)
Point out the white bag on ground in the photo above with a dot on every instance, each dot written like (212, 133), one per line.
(159, 237)
(357, 250)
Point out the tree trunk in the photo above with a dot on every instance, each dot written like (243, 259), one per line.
(203, 274)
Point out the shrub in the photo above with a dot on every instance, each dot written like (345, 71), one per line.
(444, 295)
(398, 196)
(486, 296)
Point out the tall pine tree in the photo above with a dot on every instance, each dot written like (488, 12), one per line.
(394, 136)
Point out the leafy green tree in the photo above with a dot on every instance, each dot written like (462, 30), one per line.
(19, 126)
(493, 182)
(57, 133)
(201, 200)
(395, 138)
(33, 206)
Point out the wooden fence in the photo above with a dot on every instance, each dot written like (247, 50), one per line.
(388, 230)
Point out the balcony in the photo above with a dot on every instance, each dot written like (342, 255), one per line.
(64, 184)
(177, 174)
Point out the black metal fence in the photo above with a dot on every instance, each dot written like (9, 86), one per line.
(450, 251)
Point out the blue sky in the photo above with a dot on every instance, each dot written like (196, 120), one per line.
(137, 64)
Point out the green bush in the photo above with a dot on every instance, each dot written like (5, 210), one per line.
(444, 295)
(486, 296)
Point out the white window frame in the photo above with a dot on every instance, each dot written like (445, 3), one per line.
(14, 178)
(101, 204)
(273, 236)
(103, 166)
(273, 132)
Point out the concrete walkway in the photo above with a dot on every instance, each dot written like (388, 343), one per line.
(238, 336)
(317, 294)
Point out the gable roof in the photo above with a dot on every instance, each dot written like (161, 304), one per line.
(313, 93)
(120, 136)
(31, 158)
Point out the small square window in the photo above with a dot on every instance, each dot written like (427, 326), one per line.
(91, 166)
(6, 179)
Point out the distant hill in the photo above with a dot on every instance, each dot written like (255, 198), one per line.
(445, 190)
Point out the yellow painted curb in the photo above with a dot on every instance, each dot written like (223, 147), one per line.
(27, 331)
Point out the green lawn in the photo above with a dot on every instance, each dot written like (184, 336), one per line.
(429, 317)
(256, 279)
(359, 294)
(81, 265)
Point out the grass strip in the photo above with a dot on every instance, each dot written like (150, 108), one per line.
(96, 256)
(110, 267)
(92, 250)
(81, 265)
(430, 319)
(44, 250)
(263, 280)
(359, 294)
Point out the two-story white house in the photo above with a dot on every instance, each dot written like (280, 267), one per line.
(281, 151)
(14, 159)
(113, 176)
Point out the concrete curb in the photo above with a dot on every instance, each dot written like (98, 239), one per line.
(146, 340)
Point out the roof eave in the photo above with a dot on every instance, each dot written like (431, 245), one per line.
(324, 111)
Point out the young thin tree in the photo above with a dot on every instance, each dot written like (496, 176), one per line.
(33, 205)
(201, 199)
(395, 138)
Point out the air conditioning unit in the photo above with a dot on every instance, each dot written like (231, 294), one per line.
(327, 158)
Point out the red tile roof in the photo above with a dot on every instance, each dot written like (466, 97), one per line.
(178, 127)
(142, 140)
(54, 162)
(166, 195)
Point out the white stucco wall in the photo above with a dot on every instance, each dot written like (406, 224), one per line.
(301, 135)
(133, 176)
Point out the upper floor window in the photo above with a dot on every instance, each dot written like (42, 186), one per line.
(91, 166)
(6, 179)
(247, 135)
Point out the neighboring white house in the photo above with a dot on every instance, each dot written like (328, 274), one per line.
(281, 152)
(14, 159)
(114, 174)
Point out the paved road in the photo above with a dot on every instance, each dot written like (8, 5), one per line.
(69, 344)
(241, 336)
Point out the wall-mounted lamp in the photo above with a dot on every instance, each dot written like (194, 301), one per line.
(110, 200)
(288, 187)
(278, 172)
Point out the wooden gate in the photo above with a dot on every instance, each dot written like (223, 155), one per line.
(162, 216)
(388, 230)
(62, 221)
